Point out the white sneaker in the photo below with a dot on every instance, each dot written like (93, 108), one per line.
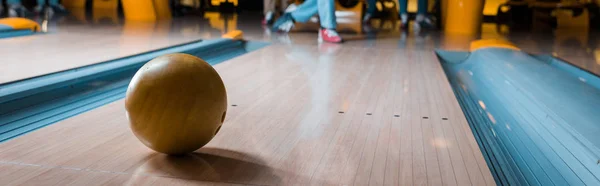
(367, 18)
(422, 21)
(419, 18)
(287, 26)
(285, 23)
(14, 10)
(416, 26)
(268, 18)
(12, 13)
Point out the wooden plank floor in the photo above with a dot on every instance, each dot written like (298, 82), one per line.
(304, 115)
(75, 46)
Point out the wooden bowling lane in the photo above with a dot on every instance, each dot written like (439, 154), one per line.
(303, 115)
(71, 45)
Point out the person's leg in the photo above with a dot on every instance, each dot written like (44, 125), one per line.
(301, 14)
(422, 6)
(305, 11)
(268, 10)
(422, 20)
(327, 32)
(41, 2)
(326, 9)
(268, 6)
(13, 2)
(371, 7)
(403, 12)
(289, 7)
(53, 2)
(403, 6)
(15, 8)
(421, 10)
(283, 4)
(56, 6)
(40, 5)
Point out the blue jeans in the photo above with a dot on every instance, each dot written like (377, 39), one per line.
(325, 8)
(51, 2)
(12, 2)
(39, 2)
(421, 6)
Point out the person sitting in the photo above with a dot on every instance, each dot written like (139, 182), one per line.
(16, 9)
(326, 12)
(420, 21)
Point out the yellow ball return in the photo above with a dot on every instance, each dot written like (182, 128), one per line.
(12, 27)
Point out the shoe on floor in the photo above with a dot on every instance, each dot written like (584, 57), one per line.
(285, 23)
(424, 22)
(367, 18)
(404, 21)
(329, 35)
(268, 20)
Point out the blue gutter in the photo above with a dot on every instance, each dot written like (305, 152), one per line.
(536, 118)
(15, 33)
(30, 104)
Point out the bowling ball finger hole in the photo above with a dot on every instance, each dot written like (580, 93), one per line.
(223, 117)
(218, 129)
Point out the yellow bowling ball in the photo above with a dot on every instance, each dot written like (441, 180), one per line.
(176, 103)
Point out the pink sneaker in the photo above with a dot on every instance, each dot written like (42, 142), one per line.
(329, 35)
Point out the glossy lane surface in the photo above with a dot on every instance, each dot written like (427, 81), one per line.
(304, 115)
(67, 46)
(77, 40)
